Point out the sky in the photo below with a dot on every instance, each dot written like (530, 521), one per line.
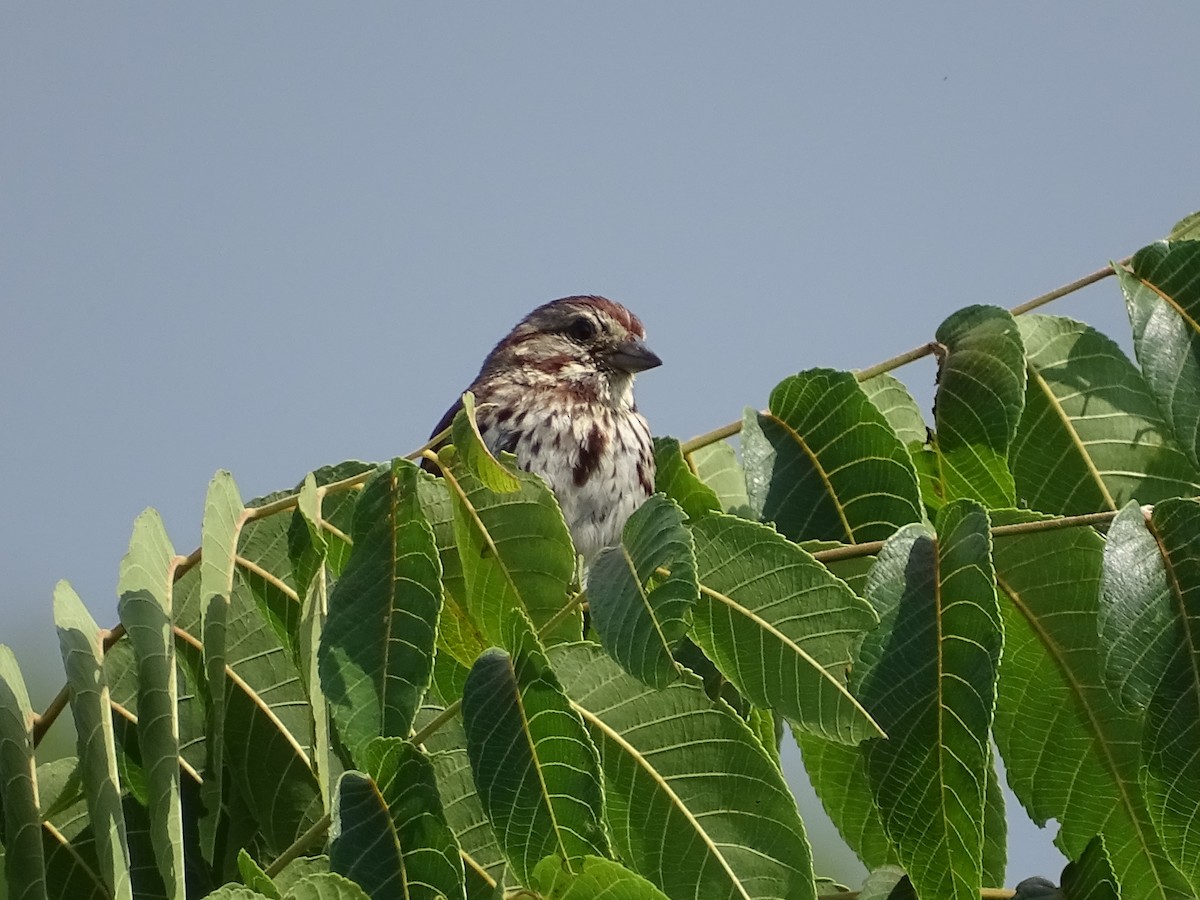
(269, 237)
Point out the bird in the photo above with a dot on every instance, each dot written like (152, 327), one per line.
(557, 392)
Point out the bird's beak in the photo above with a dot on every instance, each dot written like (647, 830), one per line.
(633, 356)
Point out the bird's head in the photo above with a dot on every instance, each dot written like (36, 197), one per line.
(587, 344)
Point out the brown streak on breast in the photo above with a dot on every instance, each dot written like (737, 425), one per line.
(590, 452)
(644, 478)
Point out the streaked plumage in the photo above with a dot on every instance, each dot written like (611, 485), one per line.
(558, 393)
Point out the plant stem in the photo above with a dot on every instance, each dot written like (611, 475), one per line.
(561, 614)
(870, 548)
(437, 722)
(298, 846)
(42, 723)
(903, 359)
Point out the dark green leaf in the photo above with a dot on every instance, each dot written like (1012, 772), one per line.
(1136, 613)
(224, 515)
(1091, 876)
(309, 550)
(364, 846)
(459, 636)
(376, 654)
(482, 859)
(838, 773)
(535, 767)
(145, 586)
(675, 478)
(694, 802)
(639, 616)
(79, 640)
(405, 779)
(780, 626)
(980, 396)
(1052, 695)
(928, 677)
(995, 828)
(23, 862)
(1091, 437)
(1171, 740)
(824, 464)
(515, 550)
(1162, 295)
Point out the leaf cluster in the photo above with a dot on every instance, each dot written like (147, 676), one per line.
(384, 684)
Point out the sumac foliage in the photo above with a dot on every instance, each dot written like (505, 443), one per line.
(384, 685)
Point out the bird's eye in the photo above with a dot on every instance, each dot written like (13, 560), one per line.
(582, 329)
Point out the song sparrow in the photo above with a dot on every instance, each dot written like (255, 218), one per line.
(558, 393)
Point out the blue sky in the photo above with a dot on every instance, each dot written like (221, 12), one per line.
(270, 237)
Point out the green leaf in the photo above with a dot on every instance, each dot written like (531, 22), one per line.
(254, 877)
(928, 677)
(515, 550)
(1052, 694)
(72, 869)
(299, 870)
(780, 626)
(695, 804)
(717, 466)
(223, 519)
(331, 512)
(1091, 437)
(145, 585)
(376, 654)
(268, 725)
(888, 394)
(80, 641)
(459, 636)
(887, 883)
(995, 827)
(364, 845)
(474, 454)
(1091, 876)
(1162, 296)
(824, 464)
(234, 892)
(598, 879)
(980, 396)
(308, 545)
(535, 767)
(1136, 615)
(308, 549)
(838, 773)
(675, 478)
(405, 779)
(482, 858)
(326, 886)
(1186, 229)
(22, 862)
(1171, 740)
(640, 617)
